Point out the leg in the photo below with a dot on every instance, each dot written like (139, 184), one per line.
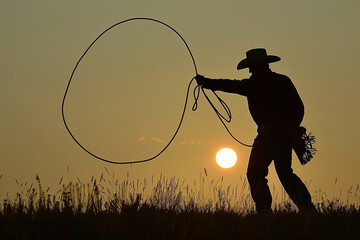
(290, 181)
(256, 174)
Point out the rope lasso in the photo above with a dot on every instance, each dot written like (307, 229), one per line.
(219, 115)
(196, 96)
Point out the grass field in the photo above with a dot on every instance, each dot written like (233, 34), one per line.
(167, 208)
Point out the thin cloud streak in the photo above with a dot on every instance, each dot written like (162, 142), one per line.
(140, 139)
(158, 140)
(192, 142)
(153, 139)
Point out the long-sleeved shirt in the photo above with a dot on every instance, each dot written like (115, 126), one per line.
(272, 98)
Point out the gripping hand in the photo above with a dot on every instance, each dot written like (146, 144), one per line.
(200, 79)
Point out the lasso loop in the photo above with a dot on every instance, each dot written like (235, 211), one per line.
(196, 96)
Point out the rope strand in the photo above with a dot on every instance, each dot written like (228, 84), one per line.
(219, 115)
(196, 94)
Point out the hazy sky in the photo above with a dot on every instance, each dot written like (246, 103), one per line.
(127, 95)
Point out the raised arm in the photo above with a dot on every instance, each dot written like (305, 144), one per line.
(225, 85)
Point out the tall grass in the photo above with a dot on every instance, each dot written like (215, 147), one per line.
(169, 208)
(108, 194)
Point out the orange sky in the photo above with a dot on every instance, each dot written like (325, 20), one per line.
(127, 96)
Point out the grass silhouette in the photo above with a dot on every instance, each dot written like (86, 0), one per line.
(168, 208)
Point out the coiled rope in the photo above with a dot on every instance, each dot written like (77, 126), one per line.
(196, 94)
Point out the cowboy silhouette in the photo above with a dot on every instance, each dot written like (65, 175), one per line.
(277, 109)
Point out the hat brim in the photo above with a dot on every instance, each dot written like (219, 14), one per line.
(245, 63)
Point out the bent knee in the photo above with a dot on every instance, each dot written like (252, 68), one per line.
(256, 176)
(284, 173)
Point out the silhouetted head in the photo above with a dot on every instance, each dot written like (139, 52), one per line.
(259, 68)
(257, 61)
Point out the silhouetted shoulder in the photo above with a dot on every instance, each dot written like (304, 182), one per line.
(281, 77)
(284, 81)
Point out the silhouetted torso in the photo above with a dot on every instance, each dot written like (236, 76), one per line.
(272, 98)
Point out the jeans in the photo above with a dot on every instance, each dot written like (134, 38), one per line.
(275, 146)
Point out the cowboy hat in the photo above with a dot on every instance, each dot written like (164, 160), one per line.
(256, 56)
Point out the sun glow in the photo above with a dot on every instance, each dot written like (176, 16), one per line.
(226, 158)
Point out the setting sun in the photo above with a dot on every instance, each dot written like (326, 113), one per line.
(226, 157)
